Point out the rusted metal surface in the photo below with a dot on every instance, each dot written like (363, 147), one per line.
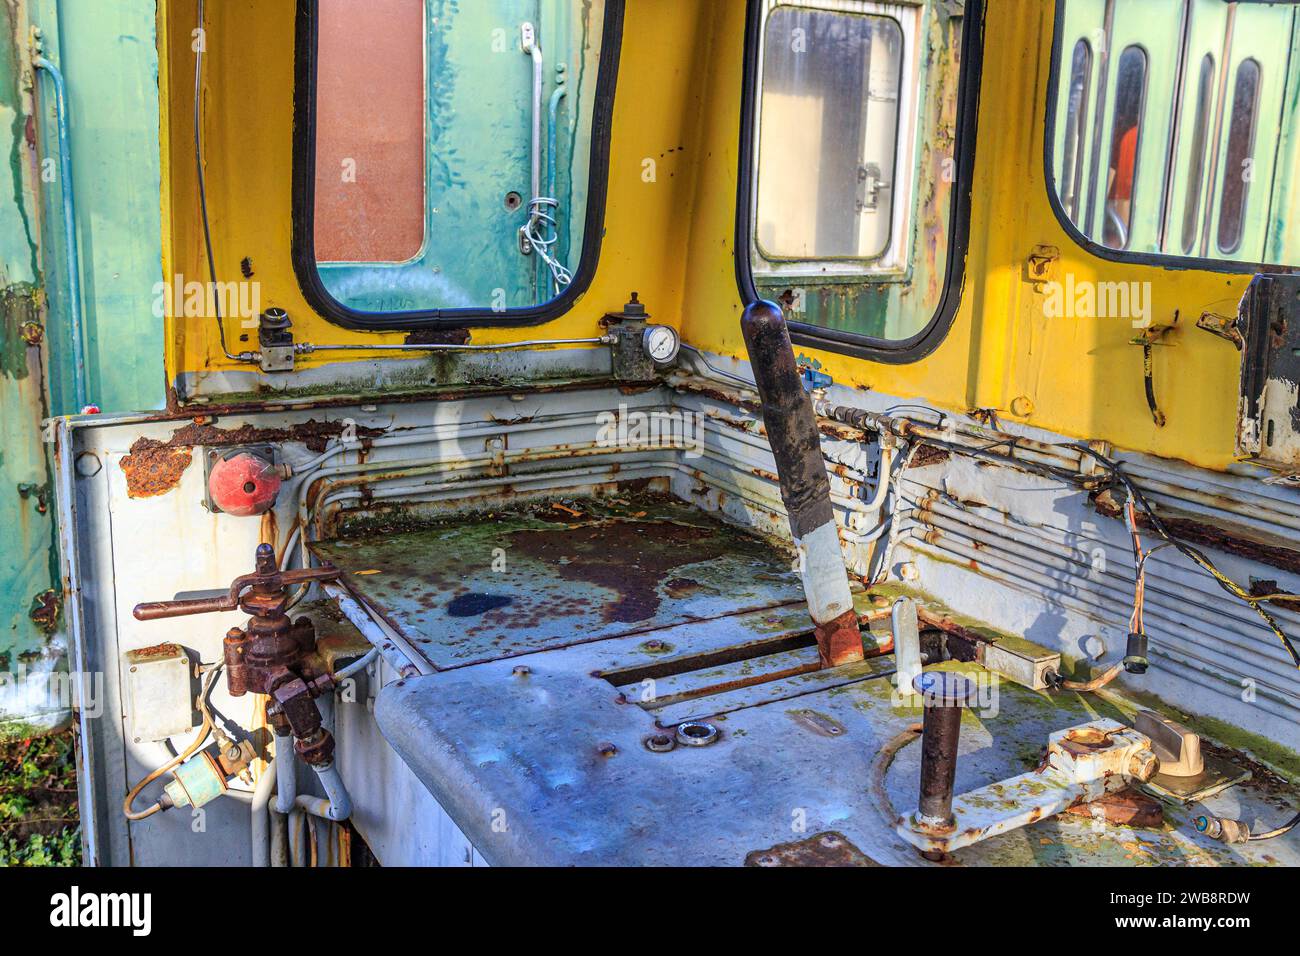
(484, 737)
(1126, 808)
(839, 641)
(45, 611)
(154, 468)
(822, 849)
(943, 696)
(481, 587)
(272, 654)
(1221, 538)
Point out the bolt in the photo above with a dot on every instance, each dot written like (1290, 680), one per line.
(606, 749)
(1143, 765)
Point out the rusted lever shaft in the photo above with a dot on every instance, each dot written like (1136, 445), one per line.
(230, 601)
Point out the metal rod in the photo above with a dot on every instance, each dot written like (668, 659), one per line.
(71, 250)
(451, 347)
(943, 694)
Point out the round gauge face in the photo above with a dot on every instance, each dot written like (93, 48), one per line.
(661, 343)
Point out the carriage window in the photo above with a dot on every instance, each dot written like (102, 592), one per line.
(1238, 168)
(1193, 145)
(1076, 115)
(452, 155)
(1200, 140)
(1126, 131)
(829, 104)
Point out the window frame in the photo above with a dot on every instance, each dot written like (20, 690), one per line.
(885, 351)
(1250, 155)
(304, 187)
(1082, 110)
(1098, 249)
(1138, 142)
(1199, 161)
(843, 267)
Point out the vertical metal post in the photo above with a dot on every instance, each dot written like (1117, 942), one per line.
(943, 695)
(69, 230)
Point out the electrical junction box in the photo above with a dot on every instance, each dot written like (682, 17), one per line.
(160, 692)
(1019, 660)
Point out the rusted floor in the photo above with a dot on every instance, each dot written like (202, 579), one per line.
(486, 586)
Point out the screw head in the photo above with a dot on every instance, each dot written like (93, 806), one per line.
(1143, 765)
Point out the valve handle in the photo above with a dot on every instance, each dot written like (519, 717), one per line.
(268, 576)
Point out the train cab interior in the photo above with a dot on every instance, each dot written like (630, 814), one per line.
(667, 432)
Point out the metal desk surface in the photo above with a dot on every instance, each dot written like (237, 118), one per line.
(507, 583)
(532, 740)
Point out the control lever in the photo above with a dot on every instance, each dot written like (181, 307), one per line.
(271, 654)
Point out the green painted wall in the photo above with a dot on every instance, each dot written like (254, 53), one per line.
(26, 525)
(108, 54)
(109, 57)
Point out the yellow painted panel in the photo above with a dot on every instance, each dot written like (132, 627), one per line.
(672, 238)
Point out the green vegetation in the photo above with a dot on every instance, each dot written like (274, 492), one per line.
(38, 802)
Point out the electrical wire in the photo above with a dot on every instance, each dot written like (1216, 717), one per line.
(1193, 554)
(199, 740)
(203, 189)
(1225, 582)
(1279, 831)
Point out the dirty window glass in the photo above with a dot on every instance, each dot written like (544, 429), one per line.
(1196, 176)
(370, 172)
(1075, 117)
(452, 145)
(828, 114)
(1193, 137)
(1237, 170)
(1126, 132)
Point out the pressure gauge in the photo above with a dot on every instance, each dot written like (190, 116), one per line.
(661, 343)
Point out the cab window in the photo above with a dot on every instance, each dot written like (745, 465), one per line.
(454, 170)
(847, 182)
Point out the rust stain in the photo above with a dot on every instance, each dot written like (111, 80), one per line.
(45, 610)
(156, 652)
(314, 434)
(823, 849)
(1126, 808)
(930, 455)
(154, 468)
(628, 557)
(1206, 535)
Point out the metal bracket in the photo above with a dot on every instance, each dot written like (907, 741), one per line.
(1148, 338)
(1040, 267)
(1083, 763)
(1226, 327)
